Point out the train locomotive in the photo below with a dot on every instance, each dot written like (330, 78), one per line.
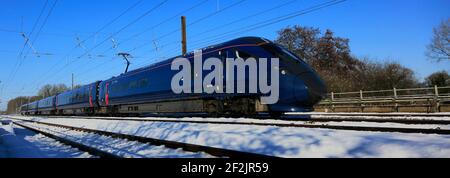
(147, 90)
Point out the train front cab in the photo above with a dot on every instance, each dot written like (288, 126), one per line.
(300, 85)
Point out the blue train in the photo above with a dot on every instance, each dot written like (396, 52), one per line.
(147, 90)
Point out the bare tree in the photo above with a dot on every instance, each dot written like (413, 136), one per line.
(45, 91)
(51, 90)
(440, 79)
(439, 49)
(331, 57)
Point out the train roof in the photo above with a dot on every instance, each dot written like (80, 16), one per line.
(77, 89)
(237, 41)
(50, 97)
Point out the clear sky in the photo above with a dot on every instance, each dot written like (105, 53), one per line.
(395, 30)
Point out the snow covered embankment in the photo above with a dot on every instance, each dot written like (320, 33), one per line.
(279, 141)
(17, 142)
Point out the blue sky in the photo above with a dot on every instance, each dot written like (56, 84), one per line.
(394, 30)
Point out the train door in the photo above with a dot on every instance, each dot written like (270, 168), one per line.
(107, 94)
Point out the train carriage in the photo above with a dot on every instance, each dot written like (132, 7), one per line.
(148, 90)
(47, 106)
(24, 109)
(33, 108)
(82, 100)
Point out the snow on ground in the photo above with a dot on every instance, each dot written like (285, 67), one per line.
(390, 124)
(120, 147)
(441, 118)
(278, 141)
(298, 122)
(393, 116)
(17, 142)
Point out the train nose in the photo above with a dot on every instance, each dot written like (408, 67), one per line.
(315, 86)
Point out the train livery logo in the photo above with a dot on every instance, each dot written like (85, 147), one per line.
(213, 82)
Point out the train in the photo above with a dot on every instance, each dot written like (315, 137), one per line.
(147, 90)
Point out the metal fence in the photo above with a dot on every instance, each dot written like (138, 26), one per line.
(432, 99)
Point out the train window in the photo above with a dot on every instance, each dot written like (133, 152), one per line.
(114, 89)
(118, 87)
(133, 85)
(143, 83)
(243, 55)
(222, 55)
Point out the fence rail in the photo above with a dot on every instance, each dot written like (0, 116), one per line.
(433, 99)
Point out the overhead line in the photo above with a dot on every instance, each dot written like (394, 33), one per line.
(35, 23)
(159, 24)
(274, 20)
(195, 22)
(37, 35)
(19, 59)
(236, 21)
(134, 5)
(125, 27)
(42, 26)
(244, 18)
(278, 19)
(253, 15)
(114, 20)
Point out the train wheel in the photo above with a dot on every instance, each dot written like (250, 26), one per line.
(275, 115)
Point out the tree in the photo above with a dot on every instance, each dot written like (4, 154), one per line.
(439, 49)
(77, 86)
(394, 75)
(331, 57)
(14, 104)
(300, 40)
(440, 79)
(45, 91)
(327, 54)
(51, 90)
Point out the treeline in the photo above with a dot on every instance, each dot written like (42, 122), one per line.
(45, 91)
(331, 57)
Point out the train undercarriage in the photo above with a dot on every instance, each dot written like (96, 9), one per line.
(228, 107)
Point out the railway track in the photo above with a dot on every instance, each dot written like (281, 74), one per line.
(376, 114)
(305, 124)
(73, 144)
(172, 145)
(377, 119)
(317, 118)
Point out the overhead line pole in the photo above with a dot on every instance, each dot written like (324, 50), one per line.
(183, 36)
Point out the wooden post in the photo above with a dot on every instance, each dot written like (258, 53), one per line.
(183, 36)
(436, 100)
(332, 99)
(395, 100)
(361, 101)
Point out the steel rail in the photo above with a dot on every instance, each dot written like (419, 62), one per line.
(291, 124)
(73, 144)
(220, 152)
